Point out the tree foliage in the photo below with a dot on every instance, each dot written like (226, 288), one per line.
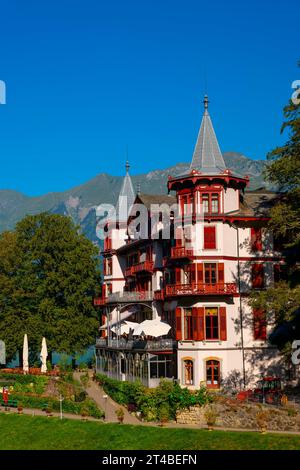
(48, 277)
(284, 170)
(281, 301)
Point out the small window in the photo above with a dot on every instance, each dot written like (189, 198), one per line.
(210, 273)
(188, 372)
(188, 324)
(215, 203)
(205, 203)
(213, 374)
(211, 323)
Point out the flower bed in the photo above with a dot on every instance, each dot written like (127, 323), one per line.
(31, 371)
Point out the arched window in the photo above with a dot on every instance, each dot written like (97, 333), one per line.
(188, 372)
(212, 373)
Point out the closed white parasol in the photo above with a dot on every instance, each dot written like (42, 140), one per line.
(25, 355)
(43, 356)
(152, 328)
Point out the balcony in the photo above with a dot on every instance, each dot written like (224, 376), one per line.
(144, 266)
(153, 345)
(181, 252)
(128, 271)
(227, 288)
(125, 297)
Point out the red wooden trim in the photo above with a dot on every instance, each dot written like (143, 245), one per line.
(242, 258)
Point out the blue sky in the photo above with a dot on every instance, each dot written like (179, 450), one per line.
(87, 79)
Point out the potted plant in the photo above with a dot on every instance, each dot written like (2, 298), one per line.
(120, 415)
(164, 414)
(20, 407)
(262, 421)
(210, 416)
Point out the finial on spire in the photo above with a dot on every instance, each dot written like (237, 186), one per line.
(205, 101)
(127, 166)
(138, 188)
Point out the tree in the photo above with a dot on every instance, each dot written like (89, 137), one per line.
(48, 278)
(284, 170)
(282, 300)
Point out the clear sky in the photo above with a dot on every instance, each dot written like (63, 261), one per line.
(85, 79)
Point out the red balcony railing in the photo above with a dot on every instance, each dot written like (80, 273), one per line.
(99, 301)
(144, 266)
(128, 271)
(227, 288)
(181, 252)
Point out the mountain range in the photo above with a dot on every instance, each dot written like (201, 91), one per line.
(80, 202)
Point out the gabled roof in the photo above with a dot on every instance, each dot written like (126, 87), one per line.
(207, 157)
(148, 199)
(126, 197)
(257, 203)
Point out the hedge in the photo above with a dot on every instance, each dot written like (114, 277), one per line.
(152, 403)
(29, 401)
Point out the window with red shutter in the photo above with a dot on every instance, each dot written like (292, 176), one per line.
(259, 324)
(200, 335)
(195, 323)
(223, 323)
(256, 239)
(178, 324)
(200, 273)
(209, 238)
(257, 276)
(211, 323)
(221, 273)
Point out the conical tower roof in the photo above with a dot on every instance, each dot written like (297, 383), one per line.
(207, 157)
(126, 197)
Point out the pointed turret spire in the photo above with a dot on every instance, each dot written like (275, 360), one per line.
(126, 196)
(207, 156)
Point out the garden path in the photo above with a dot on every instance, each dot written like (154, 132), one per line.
(109, 406)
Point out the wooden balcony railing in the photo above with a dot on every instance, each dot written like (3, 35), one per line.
(181, 252)
(144, 266)
(225, 288)
(128, 272)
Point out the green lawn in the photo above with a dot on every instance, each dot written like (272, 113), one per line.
(28, 432)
